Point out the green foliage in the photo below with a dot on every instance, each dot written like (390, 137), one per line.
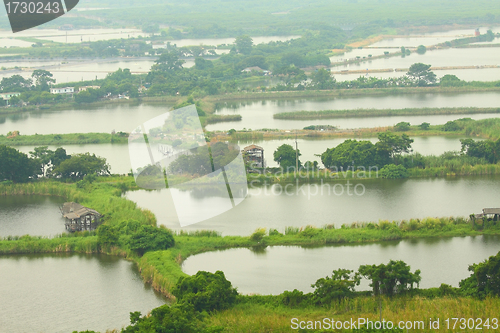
(16, 166)
(107, 235)
(149, 238)
(205, 291)
(402, 126)
(451, 126)
(421, 74)
(487, 149)
(424, 126)
(484, 280)
(450, 80)
(421, 49)
(286, 156)
(80, 165)
(340, 285)
(167, 319)
(392, 171)
(244, 44)
(390, 279)
(258, 235)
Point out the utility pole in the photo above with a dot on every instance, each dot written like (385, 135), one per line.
(296, 155)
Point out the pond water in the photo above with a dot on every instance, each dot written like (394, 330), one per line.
(428, 39)
(118, 156)
(219, 41)
(477, 74)
(335, 203)
(74, 36)
(63, 293)
(102, 119)
(30, 214)
(436, 58)
(279, 268)
(259, 114)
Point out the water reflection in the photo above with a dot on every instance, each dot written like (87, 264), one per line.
(62, 293)
(275, 269)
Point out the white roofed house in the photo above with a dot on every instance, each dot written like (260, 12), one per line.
(65, 90)
(7, 96)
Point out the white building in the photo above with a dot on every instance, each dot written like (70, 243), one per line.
(7, 96)
(65, 90)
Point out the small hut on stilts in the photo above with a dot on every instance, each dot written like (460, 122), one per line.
(80, 218)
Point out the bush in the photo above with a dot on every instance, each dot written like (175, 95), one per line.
(451, 126)
(258, 235)
(392, 171)
(149, 238)
(205, 291)
(402, 126)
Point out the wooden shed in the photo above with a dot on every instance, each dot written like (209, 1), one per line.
(254, 155)
(495, 212)
(79, 218)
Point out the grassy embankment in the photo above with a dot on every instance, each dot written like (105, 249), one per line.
(252, 317)
(162, 268)
(334, 114)
(63, 139)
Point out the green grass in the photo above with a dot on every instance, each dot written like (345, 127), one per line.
(163, 268)
(332, 114)
(63, 139)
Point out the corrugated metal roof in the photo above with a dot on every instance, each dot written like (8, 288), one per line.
(252, 147)
(72, 210)
(491, 210)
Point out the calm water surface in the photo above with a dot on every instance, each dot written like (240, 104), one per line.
(64, 293)
(118, 155)
(279, 268)
(333, 203)
(30, 214)
(259, 114)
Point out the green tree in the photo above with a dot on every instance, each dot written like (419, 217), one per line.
(205, 291)
(43, 156)
(168, 62)
(390, 279)
(421, 74)
(179, 317)
(424, 126)
(107, 235)
(484, 280)
(421, 49)
(80, 165)
(340, 285)
(149, 238)
(350, 153)
(285, 156)
(43, 79)
(244, 44)
(322, 79)
(16, 166)
(402, 126)
(15, 83)
(451, 81)
(391, 144)
(391, 171)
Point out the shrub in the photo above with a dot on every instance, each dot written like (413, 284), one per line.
(149, 238)
(392, 171)
(205, 291)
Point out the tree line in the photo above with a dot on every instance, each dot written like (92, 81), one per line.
(18, 167)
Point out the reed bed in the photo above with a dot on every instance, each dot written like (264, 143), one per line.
(266, 318)
(332, 114)
(64, 139)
